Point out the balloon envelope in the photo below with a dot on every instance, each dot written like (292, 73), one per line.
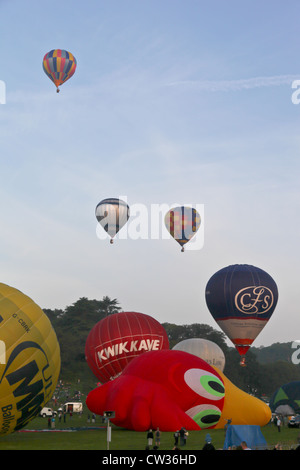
(115, 340)
(30, 359)
(207, 350)
(241, 299)
(287, 395)
(59, 65)
(112, 214)
(182, 223)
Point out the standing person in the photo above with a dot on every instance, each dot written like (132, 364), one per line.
(176, 437)
(278, 424)
(150, 437)
(157, 437)
(208, 444)
(182, 435)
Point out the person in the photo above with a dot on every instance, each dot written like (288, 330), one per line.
(183, 436)
(228, 422)
(208, 444)
(278, 424)
(150, 437)
(176, 436)
(244, 446)
(157, 438)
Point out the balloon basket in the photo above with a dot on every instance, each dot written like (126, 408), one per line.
(57, 90)
(111, 241)
(243, 362)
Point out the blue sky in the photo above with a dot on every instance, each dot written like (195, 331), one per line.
(172, 102)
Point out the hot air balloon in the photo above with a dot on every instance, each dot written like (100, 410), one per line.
(30, 360)
(182, 223)
(170, 389)
(116, 339)
(59, 65)
(241, 298)
(207, 350)
(112, 214)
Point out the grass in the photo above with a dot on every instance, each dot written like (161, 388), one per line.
(77, 434)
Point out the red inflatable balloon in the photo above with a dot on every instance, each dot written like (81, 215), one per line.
(115, 340)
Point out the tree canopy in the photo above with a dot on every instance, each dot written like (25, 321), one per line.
(259, 377)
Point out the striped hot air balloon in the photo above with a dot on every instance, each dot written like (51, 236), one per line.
(112, 214)
(59, 65)
(116, 339)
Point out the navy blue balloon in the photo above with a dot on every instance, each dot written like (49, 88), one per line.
(241, 298)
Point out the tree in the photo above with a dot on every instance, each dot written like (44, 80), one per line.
(109, 306)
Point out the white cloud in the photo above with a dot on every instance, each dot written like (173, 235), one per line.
(235, 85)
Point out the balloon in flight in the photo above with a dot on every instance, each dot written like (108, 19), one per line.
(241, 298)
(112, 214)
(207, 350)
(182, 223)
(29, 359)
(59, 65)
(116, 339)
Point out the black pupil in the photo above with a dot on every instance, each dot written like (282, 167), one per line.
(216, 386)
(208, 419)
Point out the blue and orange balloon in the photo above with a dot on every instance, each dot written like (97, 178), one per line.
(241, 298)
(59, 65)
(182, 223)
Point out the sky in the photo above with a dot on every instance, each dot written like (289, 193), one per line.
(172, 103)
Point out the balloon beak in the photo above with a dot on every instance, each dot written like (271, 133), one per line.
(242, 408)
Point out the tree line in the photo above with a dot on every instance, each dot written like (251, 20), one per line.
(266, 370)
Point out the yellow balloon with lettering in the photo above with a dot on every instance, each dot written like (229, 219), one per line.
(29, 359)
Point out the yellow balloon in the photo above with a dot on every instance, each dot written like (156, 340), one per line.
(29, 359)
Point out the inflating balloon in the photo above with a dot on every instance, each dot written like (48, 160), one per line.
(207, 350)
(241, 408)
(30, 363)
(112, 214)
(182, 223)
(241, 299)
(173, 389)
(59, 65)
(116, 339)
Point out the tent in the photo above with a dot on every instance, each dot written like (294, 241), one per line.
(252, 435)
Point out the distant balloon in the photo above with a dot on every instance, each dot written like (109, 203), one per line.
(29, 359)
(241, 298)
(182, 223)
(112, 214)
(116, 339)
(207, 350)
(59, 65)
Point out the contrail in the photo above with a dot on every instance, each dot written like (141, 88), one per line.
(236, 85)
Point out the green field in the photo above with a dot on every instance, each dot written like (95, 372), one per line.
(77, 434)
